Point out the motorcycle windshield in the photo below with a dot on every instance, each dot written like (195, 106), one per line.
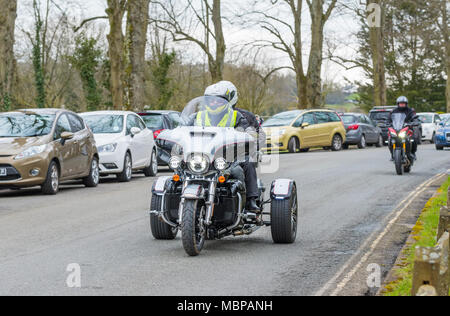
(209, 130)
(398, 120)
(208, 111)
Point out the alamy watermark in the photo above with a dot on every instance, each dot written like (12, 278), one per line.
(373, 12)
(73, 280)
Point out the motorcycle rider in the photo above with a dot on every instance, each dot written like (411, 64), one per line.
(403, 108)
(217, 114)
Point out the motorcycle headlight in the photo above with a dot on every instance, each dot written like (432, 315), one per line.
(30, 152)
(221, 164)
(174, 162)
(198, 164)
(110, 148)
(402, 135)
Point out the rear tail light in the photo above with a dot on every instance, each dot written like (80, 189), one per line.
(353, 127)
(156, 133)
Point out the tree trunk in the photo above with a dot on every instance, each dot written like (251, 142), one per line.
(116, 11)
(216, 67)
(378, 60)
(314, 75)
(446, 35)
(137, 26)
(7, 61)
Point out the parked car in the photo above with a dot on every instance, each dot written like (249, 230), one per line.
(44, 147)
(301, 130)
(157, 122)
(443, 135)
(124, 144)
(361, 131)
(430, 124)
(379, 115)
(444, 117)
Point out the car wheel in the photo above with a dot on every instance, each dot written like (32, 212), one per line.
(362, 142)
(337, 143)
(380, 142)
(152, 170)
(127, 173)
(293, 145)
(439, 147)
(93, 179)
(51, 184)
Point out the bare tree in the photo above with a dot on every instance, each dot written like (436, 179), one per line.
(444, 26)
(137, 26)
(319, 16)
(187, 22)
(376, 39)
(7, 60)
(309, 86)
(116, 12)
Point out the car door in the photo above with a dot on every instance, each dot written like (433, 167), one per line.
(374, 129)
(309, 134)
(67, 150)
(324, 128)
(82, 142)
(138, 145)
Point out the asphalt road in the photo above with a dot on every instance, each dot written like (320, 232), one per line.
(344, 198)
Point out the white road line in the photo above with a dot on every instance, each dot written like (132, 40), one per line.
(374, 244)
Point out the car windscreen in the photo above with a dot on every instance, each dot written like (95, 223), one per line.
(104, 124)
(25, 125)
(153, 121)
(349, 119)
(282, 119)
(379, 116)
(426, 118)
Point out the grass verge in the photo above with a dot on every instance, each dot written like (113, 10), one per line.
(423, 234)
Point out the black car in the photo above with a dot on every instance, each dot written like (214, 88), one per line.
(379, 115)
(158, 121)
(361, 131)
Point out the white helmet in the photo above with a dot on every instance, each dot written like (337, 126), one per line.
(224, 89)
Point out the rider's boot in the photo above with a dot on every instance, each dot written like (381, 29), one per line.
(252, 206)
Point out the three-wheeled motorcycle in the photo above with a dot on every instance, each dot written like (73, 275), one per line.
(205, 198)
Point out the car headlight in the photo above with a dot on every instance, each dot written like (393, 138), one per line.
(280, 132)
(174, 162)
(198, 164)
(110, 148)
(30, 152)
(221, 164)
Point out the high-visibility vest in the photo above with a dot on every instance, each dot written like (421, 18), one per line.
(228, 120)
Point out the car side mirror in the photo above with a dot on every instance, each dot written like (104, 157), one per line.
(304, 125)
(65, 136)
(135, 131)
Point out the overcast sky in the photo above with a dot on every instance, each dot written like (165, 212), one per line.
(340, 29)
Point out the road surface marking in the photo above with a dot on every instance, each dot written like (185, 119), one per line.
(340, 286)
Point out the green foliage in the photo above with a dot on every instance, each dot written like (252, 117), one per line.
(424, 235)
(39, 77)
(5, 103)
(161, 80)
(86, 59)
(414, 63)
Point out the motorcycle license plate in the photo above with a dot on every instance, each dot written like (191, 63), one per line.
(3, 172)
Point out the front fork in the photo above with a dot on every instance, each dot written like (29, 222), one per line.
(209, 202)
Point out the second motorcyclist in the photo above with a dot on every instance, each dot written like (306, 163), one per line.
(411, 117)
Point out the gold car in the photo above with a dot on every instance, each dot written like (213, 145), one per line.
(42, 147)
(295, 131)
